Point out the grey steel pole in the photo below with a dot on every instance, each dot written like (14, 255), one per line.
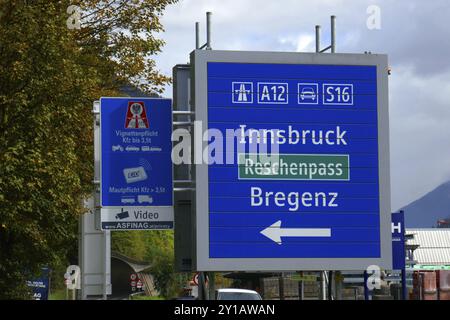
(208, 30)
(323, 277)
(338, 285)
(366, 288)
(333, 34)
(211, 285)
(197, 35)
(301, 288)
(330, 285)
(317, 38)
(105, 267)
(202, 289)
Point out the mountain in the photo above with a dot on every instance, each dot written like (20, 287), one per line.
(427, 210)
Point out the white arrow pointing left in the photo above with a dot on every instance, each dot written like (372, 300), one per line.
(274, 232)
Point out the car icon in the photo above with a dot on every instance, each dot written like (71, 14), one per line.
(308, 93)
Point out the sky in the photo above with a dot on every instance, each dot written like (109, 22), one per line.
(414, 34)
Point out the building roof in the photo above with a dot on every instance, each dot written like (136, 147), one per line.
(434, 246)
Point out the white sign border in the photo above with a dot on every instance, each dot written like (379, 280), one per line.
(201, 260)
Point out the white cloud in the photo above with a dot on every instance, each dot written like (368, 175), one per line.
(420, 133)
(414, 33)
(301, 43)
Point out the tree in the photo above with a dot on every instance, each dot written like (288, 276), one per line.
(156, 247)
(160, 251)
(49, 76)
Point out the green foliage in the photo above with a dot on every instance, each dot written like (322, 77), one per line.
(59, 294)
(160, 252)
(129, 243)
(49, 76)
(125, 30)
(157, 248)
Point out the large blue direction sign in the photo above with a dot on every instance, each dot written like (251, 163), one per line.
(136, 165)
(321, 200)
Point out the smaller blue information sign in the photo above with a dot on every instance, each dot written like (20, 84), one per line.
(398, 241)
(136, 165)
(40, 286)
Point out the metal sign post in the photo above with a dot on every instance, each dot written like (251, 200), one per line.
(398, 248)
(94, 244)
(366, 288)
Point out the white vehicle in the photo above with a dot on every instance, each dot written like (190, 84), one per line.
(237, 294)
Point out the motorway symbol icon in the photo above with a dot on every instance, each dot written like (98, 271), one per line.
(242, 92)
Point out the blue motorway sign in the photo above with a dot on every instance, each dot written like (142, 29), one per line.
(41, 286)
(320, 195)
(136, 165)
(398, 241)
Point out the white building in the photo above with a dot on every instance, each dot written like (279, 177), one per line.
(433, 251)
